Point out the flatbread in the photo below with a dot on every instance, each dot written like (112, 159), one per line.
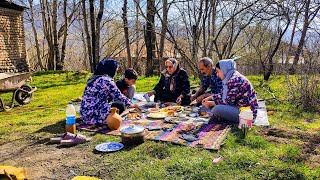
(157, 115)
(172, 108)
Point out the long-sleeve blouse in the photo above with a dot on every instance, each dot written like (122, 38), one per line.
(181, 85)
(240, 94)
(96, 99)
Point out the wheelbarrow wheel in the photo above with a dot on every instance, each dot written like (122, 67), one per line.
(23, 97)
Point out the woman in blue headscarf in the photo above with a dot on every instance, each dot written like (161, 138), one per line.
(100, 92)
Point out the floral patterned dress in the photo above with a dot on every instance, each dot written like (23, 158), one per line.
(97, 98)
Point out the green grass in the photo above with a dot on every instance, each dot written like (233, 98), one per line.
(255, 157)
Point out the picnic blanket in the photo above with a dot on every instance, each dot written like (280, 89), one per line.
(210, 136)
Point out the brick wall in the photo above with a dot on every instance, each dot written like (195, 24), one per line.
(12, 42)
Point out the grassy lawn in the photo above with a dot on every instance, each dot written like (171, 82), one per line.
(288, 149)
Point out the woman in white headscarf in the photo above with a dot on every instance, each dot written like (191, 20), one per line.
(174, 84)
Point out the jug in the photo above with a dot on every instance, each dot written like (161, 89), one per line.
(114, 119)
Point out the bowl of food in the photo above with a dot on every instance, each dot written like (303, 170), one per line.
(153, 110)
(134, 116)
(205, 114)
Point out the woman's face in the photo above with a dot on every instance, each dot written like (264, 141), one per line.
(220, 74)
(169, 67)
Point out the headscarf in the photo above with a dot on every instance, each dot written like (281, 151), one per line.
(228, 67)
(172, 77)
(174, 62)
(105, 67)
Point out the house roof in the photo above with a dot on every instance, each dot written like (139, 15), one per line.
(11, 5)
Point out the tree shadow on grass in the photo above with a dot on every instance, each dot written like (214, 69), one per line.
(57, 128)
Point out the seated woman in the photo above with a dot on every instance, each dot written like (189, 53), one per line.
(174, 84)
(99, 92)
(237, 92)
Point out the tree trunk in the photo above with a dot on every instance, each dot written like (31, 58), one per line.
(98, 22)
(195, 43)
(204, 38)
(85, 51)
(213, 4)
(163, 30)
(93, 34)
(47, 31)
(150, 36)
(302, 38)
(137, 28)
(55, 34)
(273, 53)
(35, 33)
(86, 30)
(51, 60)
(292, 36)
(126, 33)
(65, 34)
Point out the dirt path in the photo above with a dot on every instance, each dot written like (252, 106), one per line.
(45, 161)
(309, 142)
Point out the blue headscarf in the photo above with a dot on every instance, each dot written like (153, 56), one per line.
(105, 67)
(228, 67)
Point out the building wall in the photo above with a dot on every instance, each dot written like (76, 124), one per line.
(12, 42)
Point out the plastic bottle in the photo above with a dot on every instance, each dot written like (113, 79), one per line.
(71, 118)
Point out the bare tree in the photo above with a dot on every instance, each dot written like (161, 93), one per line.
(93, 34)
(297, 12)
(88, 37)
(137, 24)
(164, 23)
(310, 13)
(126, 33)
(60, 62)
(98, 28)
(150, 37)
(35, 33)
(56, 51)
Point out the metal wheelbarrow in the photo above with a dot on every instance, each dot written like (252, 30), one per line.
(16, 83)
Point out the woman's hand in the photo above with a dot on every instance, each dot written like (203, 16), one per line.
(134, 106)
(150, 93)
(208, 104)
(193, 97)
(179, 99)
(209, 98)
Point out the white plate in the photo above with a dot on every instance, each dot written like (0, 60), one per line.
(194, 115)
(109, 147)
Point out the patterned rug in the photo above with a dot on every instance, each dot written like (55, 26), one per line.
(209, 136)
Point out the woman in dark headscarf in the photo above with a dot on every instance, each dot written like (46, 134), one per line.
(100, 91)
(174, 84)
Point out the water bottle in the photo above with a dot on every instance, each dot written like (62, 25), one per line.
(71, 118)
